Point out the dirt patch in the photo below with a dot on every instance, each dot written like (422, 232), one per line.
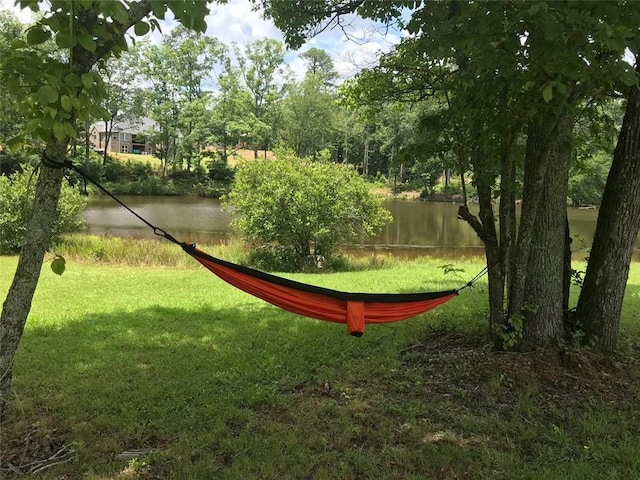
(466, 368)
(30, 450)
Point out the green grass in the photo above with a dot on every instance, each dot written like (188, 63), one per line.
(150, 159)
(219, 384)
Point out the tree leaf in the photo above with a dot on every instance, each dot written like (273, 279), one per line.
(58, 265)
(15, 143)
(72, 80)
(141, 28)
(37, 36)
(66, 102)
(32, 125)
(87, 81)
(65, 40)
(59, 130)
(547, 93)
(87, 42)
(47, 94)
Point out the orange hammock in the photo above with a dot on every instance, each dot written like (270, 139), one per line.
(354, 309)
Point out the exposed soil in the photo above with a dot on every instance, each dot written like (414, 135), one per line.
(564, 378)
(27, 450)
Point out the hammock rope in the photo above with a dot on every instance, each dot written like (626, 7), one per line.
(350, 308)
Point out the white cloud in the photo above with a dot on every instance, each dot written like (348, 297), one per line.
(353, 47)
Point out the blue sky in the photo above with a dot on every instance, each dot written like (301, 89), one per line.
(236, 21)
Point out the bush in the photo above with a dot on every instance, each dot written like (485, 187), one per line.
(17, 193)
(302, 209)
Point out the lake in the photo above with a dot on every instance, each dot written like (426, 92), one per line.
(418, 228)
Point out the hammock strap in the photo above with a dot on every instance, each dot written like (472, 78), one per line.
(478, 276)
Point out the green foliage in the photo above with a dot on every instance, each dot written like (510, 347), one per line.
(16, 197)
(219, 171)
(308, 208)
(587, 181)
(51, 70)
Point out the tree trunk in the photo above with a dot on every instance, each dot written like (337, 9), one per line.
(485, 227)
(541, 132)
(507, 209)
(492, 252)
(17, 305)
(87, 144)
(600, 302)
(543, 307)
(108, 127)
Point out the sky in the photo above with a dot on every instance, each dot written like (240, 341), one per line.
(236, 21)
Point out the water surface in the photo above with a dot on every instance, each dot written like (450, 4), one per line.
(418, 228)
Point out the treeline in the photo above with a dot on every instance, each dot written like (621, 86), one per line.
(203, 93)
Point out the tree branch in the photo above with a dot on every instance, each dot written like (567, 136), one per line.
(473, 221)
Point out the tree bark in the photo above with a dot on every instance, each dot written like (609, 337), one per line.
(507, 208)
(37, 239)
(600, 302)
(485, 228)
(543, 311)
(541, 133)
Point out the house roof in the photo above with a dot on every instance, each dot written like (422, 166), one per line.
(139, 125)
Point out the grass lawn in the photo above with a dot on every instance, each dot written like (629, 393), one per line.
(214, 384)
(151, 159)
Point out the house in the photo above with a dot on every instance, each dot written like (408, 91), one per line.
(130, 136)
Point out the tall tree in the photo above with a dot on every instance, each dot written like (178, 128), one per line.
(56, 90)
(177, 70)
(262, 66)
(319, 63)
(308, 112)
(122, 96)
(11, 121)
(229, 122)
(600, 303)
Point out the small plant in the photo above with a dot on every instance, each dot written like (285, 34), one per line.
(512, 331)
(451, 269)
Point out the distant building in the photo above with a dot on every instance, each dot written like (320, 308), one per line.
(126, 137)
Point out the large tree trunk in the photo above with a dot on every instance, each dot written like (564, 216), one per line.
(543, 311)
(17, 305)
(600, 302)
(492, 252)
(485, 227)
(541, 132)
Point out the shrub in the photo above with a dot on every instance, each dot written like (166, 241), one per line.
(302, 208)
(16, 198)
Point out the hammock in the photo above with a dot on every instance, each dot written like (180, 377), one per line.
(353, 309)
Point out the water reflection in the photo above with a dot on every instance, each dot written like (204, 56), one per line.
(418, 228)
